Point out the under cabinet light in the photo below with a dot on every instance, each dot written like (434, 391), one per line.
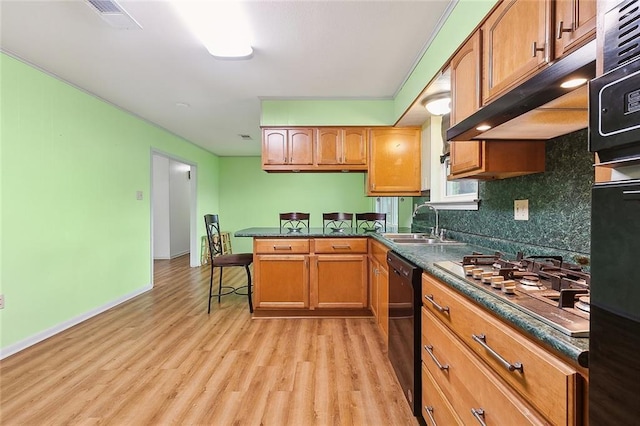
(483, 127)
(220, 25)
(574, 82)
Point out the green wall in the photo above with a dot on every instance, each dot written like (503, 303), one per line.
(251, 197)
(74, 237)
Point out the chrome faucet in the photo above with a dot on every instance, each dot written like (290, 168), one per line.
(435, 232)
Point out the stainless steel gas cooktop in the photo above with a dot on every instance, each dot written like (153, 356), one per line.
(542, 286)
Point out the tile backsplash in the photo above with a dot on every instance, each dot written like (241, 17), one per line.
(559, 207)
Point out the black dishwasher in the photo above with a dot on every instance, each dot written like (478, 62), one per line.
(404, 327)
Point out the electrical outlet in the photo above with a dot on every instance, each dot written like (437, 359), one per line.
(1, 301)
(521, 209)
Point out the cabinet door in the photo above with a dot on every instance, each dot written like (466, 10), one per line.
(394, 166)
(465, 80)
(274, 146)
(466, 156)
(300, 146)
(329, 146)
(281, 281)
(511, 37)
(339, 281)
(354, 146)
(575, 24)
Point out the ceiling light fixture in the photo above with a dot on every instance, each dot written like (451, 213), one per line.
(574, 82)
(438, 104)
(220, 25)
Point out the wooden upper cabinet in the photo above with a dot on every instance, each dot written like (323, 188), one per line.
(287, 147)
(465, 157)
(496, 159)
(515, 44)
(314, 149)
(466, 80)
(341, 146)
(575, 24)
(394, 162)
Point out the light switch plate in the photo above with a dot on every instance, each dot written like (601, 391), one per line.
(521, 209)
(139, 195)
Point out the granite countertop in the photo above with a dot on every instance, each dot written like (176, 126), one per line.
(424, 256)
(310, 232)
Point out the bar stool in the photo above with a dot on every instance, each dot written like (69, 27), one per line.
(371, 222)
(219, 259)
(337, 222)
(294, 221)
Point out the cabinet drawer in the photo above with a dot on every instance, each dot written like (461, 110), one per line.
(545, 381)
(281, 245)
(340, 245)
(436, 410)
(467, 383)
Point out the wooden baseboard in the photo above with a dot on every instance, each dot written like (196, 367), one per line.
(316, 313)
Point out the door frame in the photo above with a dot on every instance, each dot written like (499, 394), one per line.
(194, 257)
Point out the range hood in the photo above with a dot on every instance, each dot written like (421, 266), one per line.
(538, 108)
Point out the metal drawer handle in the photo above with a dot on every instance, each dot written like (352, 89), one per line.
(429, 411)
(478, 413)
(482, 339)
(346, 247)
(535, 49)
(429, 349)
(435, 305)
(562, 30)
(282, 247)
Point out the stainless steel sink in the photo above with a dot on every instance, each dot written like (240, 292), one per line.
(417, 238)
(406, 235)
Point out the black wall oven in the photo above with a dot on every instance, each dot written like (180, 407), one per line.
(614, 133)
(614, 341)
(614, 97)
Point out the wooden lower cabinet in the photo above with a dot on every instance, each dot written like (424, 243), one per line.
(339, 281)
(308, 273)
(471, 388)
(545, 390)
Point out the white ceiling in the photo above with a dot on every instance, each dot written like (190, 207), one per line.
(302, 50)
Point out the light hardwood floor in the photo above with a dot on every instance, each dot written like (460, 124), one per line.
(160, 359)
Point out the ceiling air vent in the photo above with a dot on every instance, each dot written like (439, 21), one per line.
(113, 14)
(622, 34)
(245, 137)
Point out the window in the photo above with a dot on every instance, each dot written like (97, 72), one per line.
(388, 205)
(460, 188)
(459, 194)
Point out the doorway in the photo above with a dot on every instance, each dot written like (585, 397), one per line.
(173, 208)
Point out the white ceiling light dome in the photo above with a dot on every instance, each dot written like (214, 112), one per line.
(438, 104)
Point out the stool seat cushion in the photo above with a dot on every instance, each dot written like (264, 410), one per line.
(240, 259)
